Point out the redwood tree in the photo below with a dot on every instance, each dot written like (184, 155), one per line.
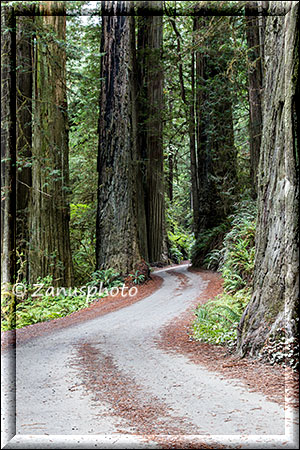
(121, 226)
(50, 252)
(272, 309)
(8, 154)
(24, 58)
(255, 86)
(150, 120)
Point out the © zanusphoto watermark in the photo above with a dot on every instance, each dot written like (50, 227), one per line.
(39, 290)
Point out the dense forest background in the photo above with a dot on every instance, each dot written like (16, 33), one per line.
(138, 134)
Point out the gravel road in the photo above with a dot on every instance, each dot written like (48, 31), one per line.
(109, 380)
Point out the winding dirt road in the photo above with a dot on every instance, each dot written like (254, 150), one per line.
(108, 379)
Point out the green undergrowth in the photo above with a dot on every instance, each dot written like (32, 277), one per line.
(51, 302)
(216, 322)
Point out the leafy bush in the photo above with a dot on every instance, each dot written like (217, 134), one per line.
(209, 243)
(137, 277)
(216, 321)
(108, 278)
(180, 243)
(55, 303)
(82, 221)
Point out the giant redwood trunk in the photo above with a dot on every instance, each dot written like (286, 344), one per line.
(8, 152)
(24, 72)
(50, 252)
(120, 233)
(272, 309)
(150, 40)
(255, 85)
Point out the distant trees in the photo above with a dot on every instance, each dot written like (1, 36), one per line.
(255, 86)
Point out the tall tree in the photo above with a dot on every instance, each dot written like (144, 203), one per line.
(50, 243)
(24, 47)
(189, 105)
(8, 153)
(216, 154)
(272, 309)
(150, 40)
(255, 85)
(120, 229)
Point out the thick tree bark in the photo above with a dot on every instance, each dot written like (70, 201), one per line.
(8, 156)
(50, 252)
(150, 36)
(272, 309)
(120, 232)
(255, 84)
(24, 138)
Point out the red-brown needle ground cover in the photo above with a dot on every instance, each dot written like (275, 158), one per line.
(144, 414)
(279, 384)
(99, 308)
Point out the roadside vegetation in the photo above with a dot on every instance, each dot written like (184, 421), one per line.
(216, 322)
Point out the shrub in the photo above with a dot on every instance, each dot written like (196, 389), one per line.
(209, 243)
(180, 245)
(216, 322)
(32, 309)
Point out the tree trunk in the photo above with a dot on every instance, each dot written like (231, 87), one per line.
(273, 306)
(8, 156)
(216, 154)
(120, 232)
(189, 105)
(255, 85)
(150, 34)
(50, 252)
(193, 155)
(24, 138)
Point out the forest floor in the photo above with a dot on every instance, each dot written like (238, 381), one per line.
(131, 377)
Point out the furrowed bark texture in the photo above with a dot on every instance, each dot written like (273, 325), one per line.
(255, 84)
(24, 138)
(150, 40)
(8, 146)
(272, 309)
(50, 252)
(118, 237)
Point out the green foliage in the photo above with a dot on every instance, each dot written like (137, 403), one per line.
(82, 237)
(137, 277)
(209, 243)
(239, 248)
(83, 90)
(57, 302)
(108, 278)
(216, 322)
(180, 245)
